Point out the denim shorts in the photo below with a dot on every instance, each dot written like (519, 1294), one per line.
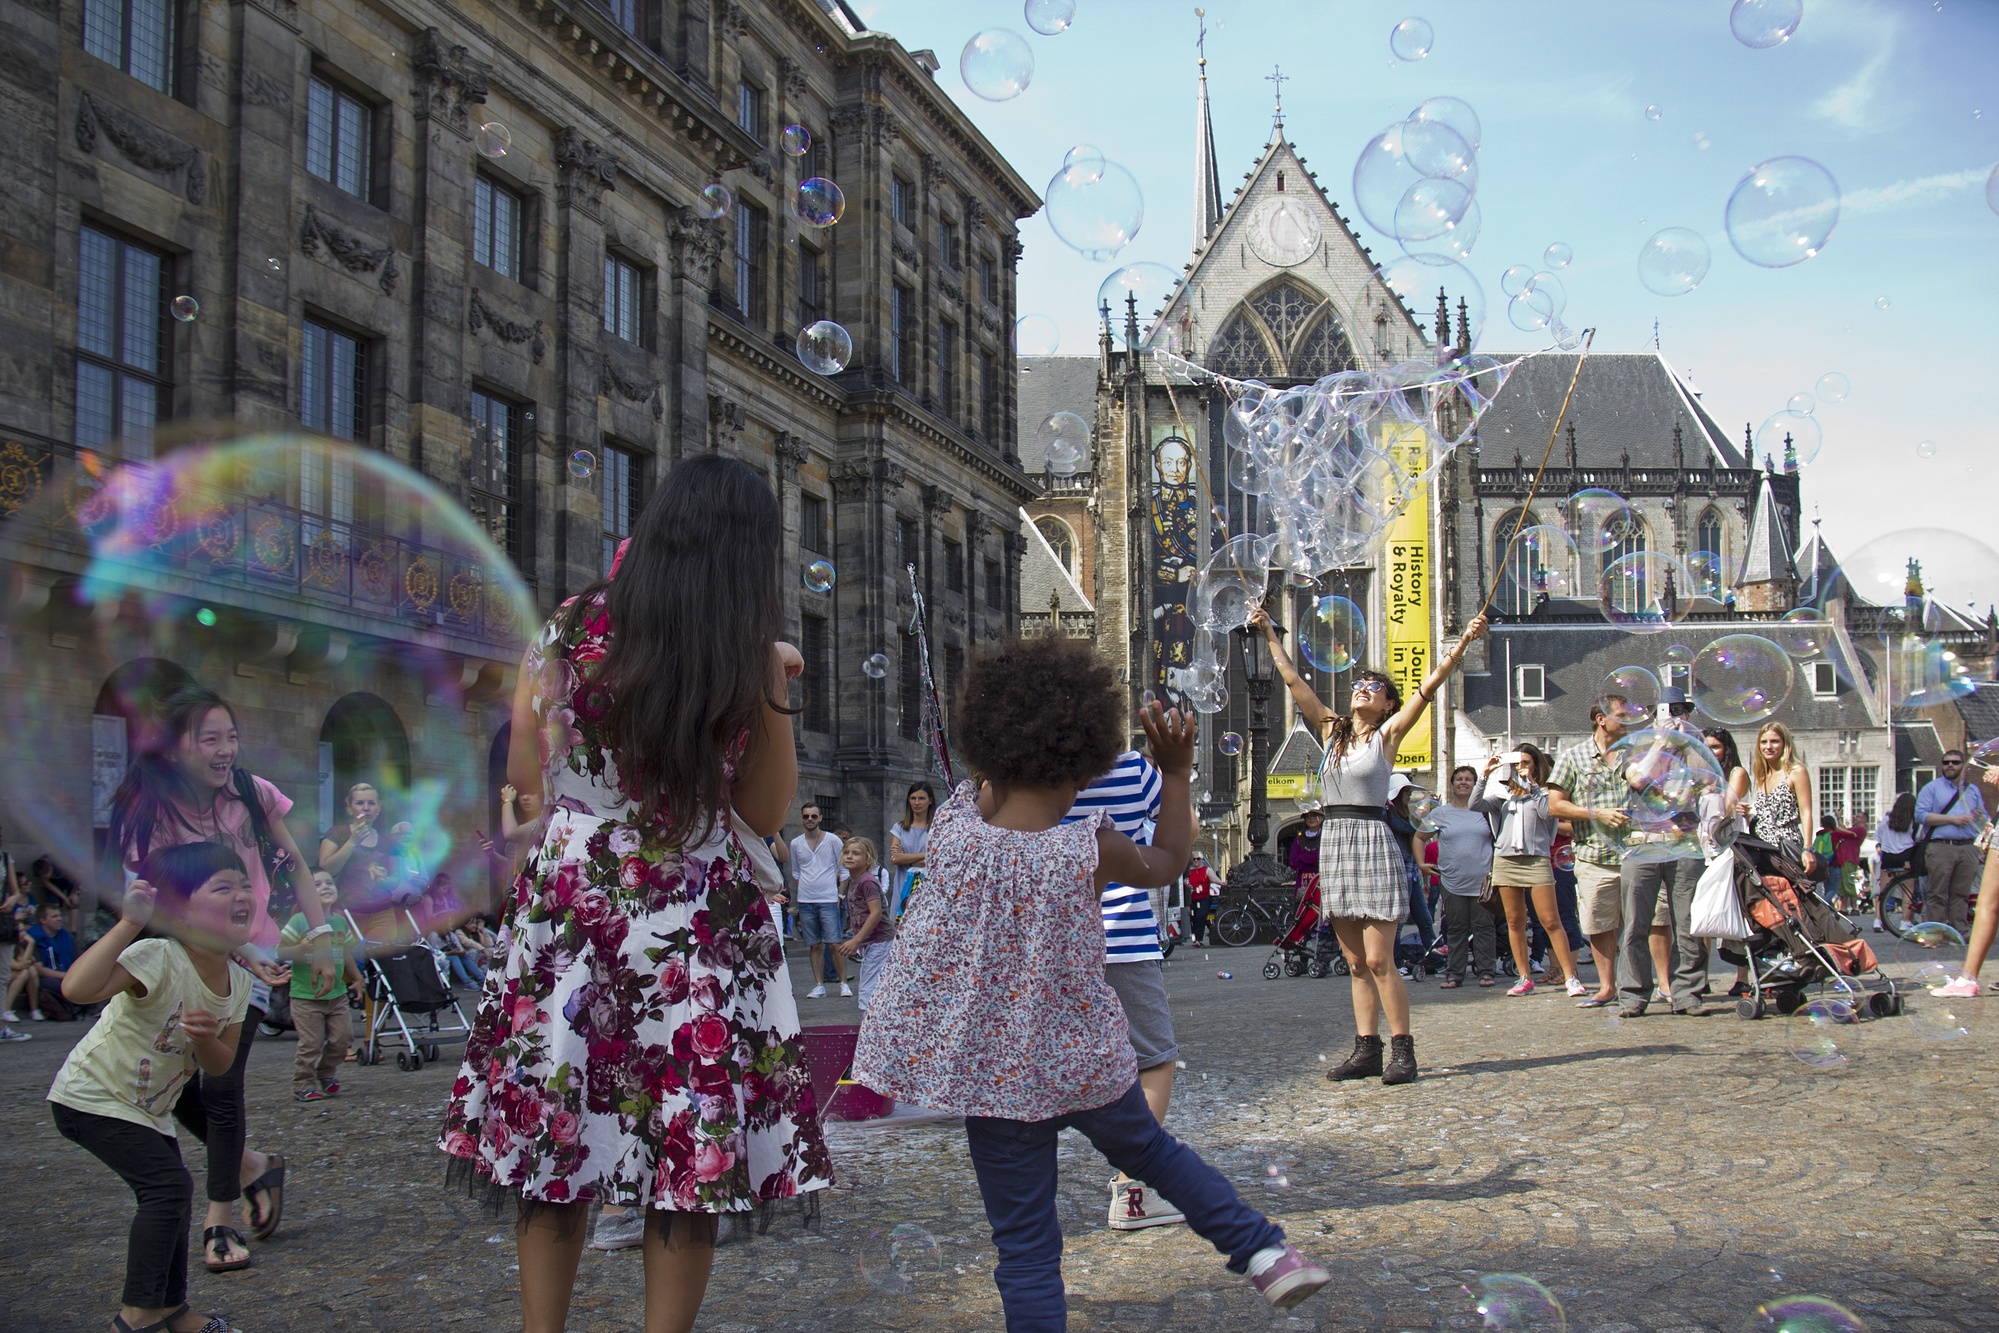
(819, 923)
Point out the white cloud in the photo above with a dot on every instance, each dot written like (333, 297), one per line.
(1852, 103)
(1922, 190)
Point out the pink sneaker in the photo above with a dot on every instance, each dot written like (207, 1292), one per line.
(1286, 1277)
(1522, 987)
(1964, 988)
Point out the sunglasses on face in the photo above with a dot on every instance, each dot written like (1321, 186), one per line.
(1369, 687)
(1953, 763)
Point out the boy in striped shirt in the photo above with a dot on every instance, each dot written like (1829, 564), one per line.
(1129, 797)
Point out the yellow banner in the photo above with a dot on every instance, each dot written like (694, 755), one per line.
(1407, 651)
(1286, 786)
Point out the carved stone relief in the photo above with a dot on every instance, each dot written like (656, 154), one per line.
(142, 144)
(448, 78)
(584, 170)
(479, 315)
(337, 245)
(630, 386)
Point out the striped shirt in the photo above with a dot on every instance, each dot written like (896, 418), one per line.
(1128, 795)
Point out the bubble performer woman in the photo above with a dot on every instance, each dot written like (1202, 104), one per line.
(186, 786)
(639, 1044)
(1362, 887)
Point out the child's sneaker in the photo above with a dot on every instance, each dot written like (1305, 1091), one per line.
(330, 1086)
(14, 1034)
(1132, 1211)
(1964, 988)
(9, 1016)
(1285, 1277)
(1576, 988)
(310, 1095)
(622, 1231)
(846, 991)
(1521, 987)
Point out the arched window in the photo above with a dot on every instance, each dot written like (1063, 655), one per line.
(1323, 350)
(1520, 583)
(1709, 564)
(1060, 540)
(1286, 331)
(1632, 592)
(1240, 352)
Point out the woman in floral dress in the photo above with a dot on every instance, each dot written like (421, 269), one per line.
(639, 1046)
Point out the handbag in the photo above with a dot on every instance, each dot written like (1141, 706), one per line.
(1919, 855)
(1489, 899)
(1717, 911)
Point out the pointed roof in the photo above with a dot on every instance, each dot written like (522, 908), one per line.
(1300, 753)
(1767, 555)
(1207, 177)
(1625, 406)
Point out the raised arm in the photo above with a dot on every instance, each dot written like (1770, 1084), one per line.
(1310, 706)
(1393, 730)
(1122, 861)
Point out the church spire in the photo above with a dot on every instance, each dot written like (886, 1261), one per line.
(1207, 177)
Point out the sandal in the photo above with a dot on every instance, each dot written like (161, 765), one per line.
(272, 1186)
(227, 1236)
(163, 1326)
(1449, 983)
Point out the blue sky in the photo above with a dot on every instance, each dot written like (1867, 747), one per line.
(1897, 98)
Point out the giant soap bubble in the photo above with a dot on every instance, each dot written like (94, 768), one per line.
(996, 64)
(1783, 212)
(1284, 232)
(1762, 24)
(1789, 434)
(1741, 678)
(1546, 557)
(1673, 261)
(1598, 519)
(1399, 157)
(328, 592)
(1643, 591)
(1148, 283)
(1095, 208)
(1334, 635)
(1231, 584)
(1418, 279)
(1666, 771)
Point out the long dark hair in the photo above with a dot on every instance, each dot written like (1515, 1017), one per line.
(150, 795)
(1339, 737)
(176, 872)
(1731, 758)
(1902, 814)
(909, 811)
(1542, 764)
(694, 611)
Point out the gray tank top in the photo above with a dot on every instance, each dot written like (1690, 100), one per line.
(1359, 777)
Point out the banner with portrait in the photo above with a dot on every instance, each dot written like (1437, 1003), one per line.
(1173, 556)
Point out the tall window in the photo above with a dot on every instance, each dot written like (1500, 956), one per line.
(989, 397)
(121, 343)
(995, 586)
(135, 35)
(1521, 582)
(339, 137)
(620, 491)
(498, 215)
(954, 566)
(333, 383)
(752, 229)
(1056, 533)
(902, 201)
(625, 13)
(812, 291)
(1632, 592)
(1832, 792)
(623, 287)
(989, 280)
(947, 241)
(908, 545)
(901, 333)
(910, 721)
(815, 646)
(1710, 573)
(497, 490)
(812, 524)
(1848, 794)
(750, 110)
(947, 367)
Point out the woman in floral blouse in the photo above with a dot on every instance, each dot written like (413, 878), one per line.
(638, 1046)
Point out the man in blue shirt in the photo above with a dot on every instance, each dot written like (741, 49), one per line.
(55, 951)
(1949, 813)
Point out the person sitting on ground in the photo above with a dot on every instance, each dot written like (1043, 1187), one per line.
(55, 951)
(25, 978)
(51, 887)
(319, 1012)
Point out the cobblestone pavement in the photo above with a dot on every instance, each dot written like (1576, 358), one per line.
(1661, 1175)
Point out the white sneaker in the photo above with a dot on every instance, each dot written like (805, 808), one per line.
(620, 1232)
(10, 1034)
(846, 991)
(1576, 987)
(1964, 988)
(9, 1016)
(34, 1015)
(1132, 1211)
(817, 992)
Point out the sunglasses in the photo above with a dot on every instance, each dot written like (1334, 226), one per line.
(1370, 687)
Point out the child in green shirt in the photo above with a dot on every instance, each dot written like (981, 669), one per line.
(324, 1027)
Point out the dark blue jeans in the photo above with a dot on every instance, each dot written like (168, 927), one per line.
(1015, 1162)
(1565, 904)
(1419, 911)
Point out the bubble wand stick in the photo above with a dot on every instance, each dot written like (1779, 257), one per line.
(933, 708)
(1589, 336)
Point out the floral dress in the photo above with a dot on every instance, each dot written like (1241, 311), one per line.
(639, 1045)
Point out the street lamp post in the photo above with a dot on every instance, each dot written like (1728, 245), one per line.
(1259, 870)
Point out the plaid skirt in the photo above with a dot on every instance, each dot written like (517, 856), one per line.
(1361, 874)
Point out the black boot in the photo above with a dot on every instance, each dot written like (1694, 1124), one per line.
(1401, 1061)
(1365, 1062)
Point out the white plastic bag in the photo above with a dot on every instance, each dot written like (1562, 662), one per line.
(1717, 911)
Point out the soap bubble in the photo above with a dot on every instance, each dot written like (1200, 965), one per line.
(1933, 935)
(819, 576)
(1783, 212)
(202, 561)
(1804, 1314)
(1515, 278)
(1881, 303)
(1763, 24)
(1064, 437)
(1515, 1303)
(1787, 433)
(1558, 255)
(1430, 209)
(1531, 310)
(1677, 655)
(1149, 283)
(274, 264)
(1285, 231)
(1629, 695)
(1049, 17)
(1673, 261)
(1741, 678)
(186, 309)
(1652, 112)
(1036, 335)
(1095, 211)
(1598, 519)
(1231, 584)
(1642, 591)
(875, 665)
(1453, 241)
(1667, 772)
(795, 140)
(1230, 743)
(819, 202)
(715, 202)
(1547, 556)
(1926, 449)
(1401, 156)
(1803, 633)
(825, 348)
(1812, 1033)
(1801, 403)
(997, 65)
(1954, 567)
(901, 1260)
(1711, 572)
(1085, 158)
(1411, 39)
(1833, 387)
(1334, 636)
(1935, 1017)
(582, 464)
(1453, 112)
(493, 139)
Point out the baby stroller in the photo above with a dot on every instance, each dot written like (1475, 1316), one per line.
(1308, 947)
(407, 982)
(1796, 939)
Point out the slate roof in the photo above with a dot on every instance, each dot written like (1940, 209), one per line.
(1767, 551)
(1300, 753)
(1625, 402)
(1050, 384)
(1980, 711)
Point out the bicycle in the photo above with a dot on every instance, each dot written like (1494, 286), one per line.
(1906, 887)
(1241, 923)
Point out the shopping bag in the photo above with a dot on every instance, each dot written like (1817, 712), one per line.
(1717, 911)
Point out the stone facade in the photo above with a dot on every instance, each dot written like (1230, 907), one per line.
(596, 130)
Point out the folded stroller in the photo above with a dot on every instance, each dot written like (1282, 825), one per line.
(407, 983)
(1307, 947)
(1797, 940)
